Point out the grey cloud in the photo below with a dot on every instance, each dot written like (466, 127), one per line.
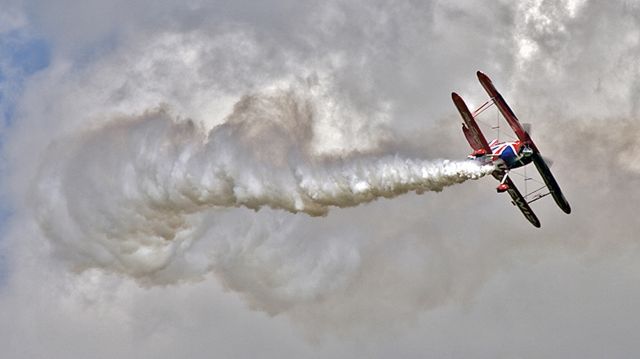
(454, 274)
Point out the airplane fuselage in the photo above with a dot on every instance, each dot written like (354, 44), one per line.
(514, 153)
(509, 154)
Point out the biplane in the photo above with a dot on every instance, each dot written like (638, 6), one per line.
(508, 155)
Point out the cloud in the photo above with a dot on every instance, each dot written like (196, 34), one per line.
(455, 273)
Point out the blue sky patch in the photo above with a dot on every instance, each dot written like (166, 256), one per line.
(21, 56)
(28, 55)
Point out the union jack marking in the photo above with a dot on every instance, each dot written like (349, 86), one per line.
(499, 148)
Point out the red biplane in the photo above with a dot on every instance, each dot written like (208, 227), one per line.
(510, 154)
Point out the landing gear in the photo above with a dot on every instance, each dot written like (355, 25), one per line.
(479, 153)
(503, 187)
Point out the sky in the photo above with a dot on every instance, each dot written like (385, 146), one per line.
(285, 179)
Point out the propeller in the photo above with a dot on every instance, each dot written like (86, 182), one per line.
(529, 129)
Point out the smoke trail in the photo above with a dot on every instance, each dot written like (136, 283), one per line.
(133, 189)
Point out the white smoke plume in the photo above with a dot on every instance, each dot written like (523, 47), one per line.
(128, 195)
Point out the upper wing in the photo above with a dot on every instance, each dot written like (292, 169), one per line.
(505, 109)
(470, 127)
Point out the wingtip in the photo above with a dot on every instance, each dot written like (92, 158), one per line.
(457, 100)
(481, 75)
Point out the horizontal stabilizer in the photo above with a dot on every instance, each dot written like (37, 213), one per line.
(470, 128)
